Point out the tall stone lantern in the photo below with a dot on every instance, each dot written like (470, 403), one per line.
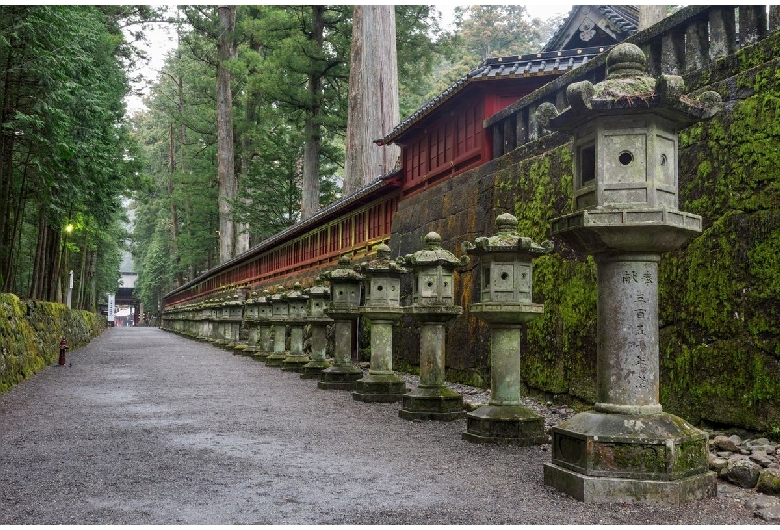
(626, 215)
(505, 304)
(280, 310)
(344, 310)
(433, 305)
(319, 296)
(383, 308)
(297, 319)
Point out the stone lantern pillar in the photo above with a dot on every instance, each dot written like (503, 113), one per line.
(383, 308)
(297, 319)
(343, 309)
(433, 305)
(505, 304)
(319, 296)
(263, 326)
(279, 312)
(625, 214)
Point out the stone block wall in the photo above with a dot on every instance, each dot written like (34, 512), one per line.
(30, 334)
(719, 296)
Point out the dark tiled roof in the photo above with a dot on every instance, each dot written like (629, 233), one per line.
(514, 66)
(625, 18)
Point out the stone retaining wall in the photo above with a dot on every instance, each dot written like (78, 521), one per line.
(30, 334)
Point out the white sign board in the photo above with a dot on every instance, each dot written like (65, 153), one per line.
(111, 306)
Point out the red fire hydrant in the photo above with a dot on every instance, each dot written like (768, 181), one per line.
(63, 348)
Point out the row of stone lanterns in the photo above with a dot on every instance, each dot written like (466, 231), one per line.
(625, 214)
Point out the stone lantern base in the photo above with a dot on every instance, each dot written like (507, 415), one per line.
(379, 388)
(313, 369)
(432, 403)
(294, 363)
(260, 355)
(505, 425)
(276, 358)
(339, 378)
(656, 458)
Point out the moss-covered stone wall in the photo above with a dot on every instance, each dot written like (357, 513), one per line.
(719, 309)
(30, 334)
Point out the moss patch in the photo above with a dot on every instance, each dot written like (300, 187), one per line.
(30, 334)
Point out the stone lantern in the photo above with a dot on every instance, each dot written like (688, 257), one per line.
(264, 326)
(319, 296)
(221, 318)
(344, 310)
(210, 310)
(383, 308)
(235, 307)
(280, 309)
(256, 319)
(297, 318)
(250, 319)
(505, 305)
(433, 306)
(625, 214)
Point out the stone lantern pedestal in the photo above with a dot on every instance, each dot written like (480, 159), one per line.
(319, 295)
(505, 305)
(297, 319)
(625, 214)
(433, 306)
(383, 308)
(279, 312)
(343, 309)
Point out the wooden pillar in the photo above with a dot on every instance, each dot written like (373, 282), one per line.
(752, 24)
(510, 140)
(522, 126)
(774, 18)
(673, 52)
(723, 34)
(697, 45)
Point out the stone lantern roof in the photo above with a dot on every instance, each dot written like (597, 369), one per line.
(296, 293)
(319, 289)
(434, 255)
(279, 295)
(383, 263)
(344, 273)
(627, 89)
(506, 239)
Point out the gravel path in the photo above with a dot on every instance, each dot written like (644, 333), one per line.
(145, 427)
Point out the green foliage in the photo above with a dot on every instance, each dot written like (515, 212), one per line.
(496, 31)
(66, 156)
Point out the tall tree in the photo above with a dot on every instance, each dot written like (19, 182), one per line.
(373, 96)
(226, 172)
(64, 149)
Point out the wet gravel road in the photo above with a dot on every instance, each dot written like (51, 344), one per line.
(145, 427)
